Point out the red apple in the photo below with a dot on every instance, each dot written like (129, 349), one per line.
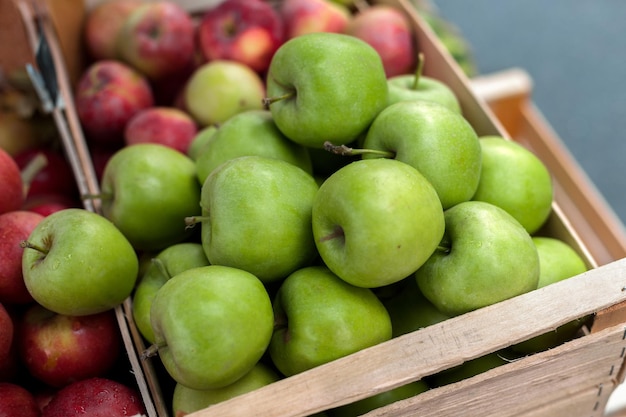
(95, 397)
(390, 33)
(166, 126)
(102, 26)
(308, 16)
(108, 94)
(17, 401)
(11, 185)
(15, 226)
(46, 204)
(6, 336)
(55, 177)
(158, 39)
(248, 31)
(58, 349)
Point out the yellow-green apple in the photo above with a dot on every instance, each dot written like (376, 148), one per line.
(557, 261)
(11, 185)
(169, 262)
(76, 262)
(147, 191)
(99, 396)
(389, 31)
(212, 324)
(310, 16)
(252, 132)
(247, 31)
(485, 256)
(167, 126)
(157, 39)
(366, 405)
(199, 141)
(107, 95)
(102, 27)
(376, 221)
(417, 86)
(325, 87)
(58, 349)
(187, 400)
(438, 142)
(220, 89)
(15, 226)
(258, 222)
(319, 318)
(16, 400)
(516, 180)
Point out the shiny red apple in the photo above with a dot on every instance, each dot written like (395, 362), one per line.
(11, 185)
(17, 401)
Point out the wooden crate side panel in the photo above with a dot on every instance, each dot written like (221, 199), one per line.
(435, 348)
(544, 384)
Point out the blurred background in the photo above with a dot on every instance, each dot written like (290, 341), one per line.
(575, 53)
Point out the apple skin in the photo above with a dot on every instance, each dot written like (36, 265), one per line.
(319, 318)
(87, 266)
(376, 221)
(108, 94)
(389, 31)
(252, 132)
(366, 405)
(302, 17)
(335, 86)
(46, 204)
(55, 177)
(490, 258)
(516, 180)
(169, 262)
(403, 88)
(260, 223)
(11, 186)
(199, 141)
(220, 89)
(7, 331)
(557, 261)
(16, 400)
(247, 31)
(438, 142)
(97, 397)
(157, 39)
(186, 400)
(212, 324)
(102, 27)
(15, 226)
(58, 350)
(147, 191)
(167, 126)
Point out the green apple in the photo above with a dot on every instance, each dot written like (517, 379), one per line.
(376, 221)
(256, 216)
(325, 86)
(78, 263)
(187, 400)
(515, 179)
(438, 142)
(252, 132)
(485, 256)
(147, 191)
(199, 141)
(410, 310)
(169, 262)
(366, 405)
(320, 317)
(220, 89)
(557, 261)
(211, 324)
(409, 87)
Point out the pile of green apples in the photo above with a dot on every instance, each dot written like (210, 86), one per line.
(347, 209)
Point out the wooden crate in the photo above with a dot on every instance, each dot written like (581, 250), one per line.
(574, 379)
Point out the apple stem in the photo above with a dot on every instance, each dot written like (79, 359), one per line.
(103, 196)
(267, 101)
(191, 221)
(418, 70)
(348, 151)
(28, 245)
(161, 267)
(151, 351)
(360, 5)
(31, 170)
(443, 249)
